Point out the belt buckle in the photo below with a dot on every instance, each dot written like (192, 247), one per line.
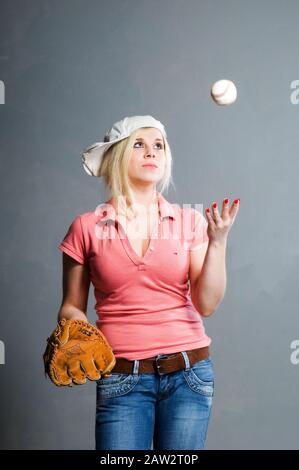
(158, 365)
(157, 358)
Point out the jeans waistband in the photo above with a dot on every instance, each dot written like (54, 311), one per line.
(162, 363)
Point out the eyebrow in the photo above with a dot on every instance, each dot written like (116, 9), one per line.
(140, 138)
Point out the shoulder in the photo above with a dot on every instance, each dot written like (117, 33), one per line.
(96, 218)
(87, 218)
(81, 220)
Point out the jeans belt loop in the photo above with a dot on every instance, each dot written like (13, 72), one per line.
(136, 366)
(186, 359)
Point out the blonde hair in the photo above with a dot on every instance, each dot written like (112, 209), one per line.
(114, 170)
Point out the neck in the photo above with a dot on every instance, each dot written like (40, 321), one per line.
(146, 201)
(146, 197)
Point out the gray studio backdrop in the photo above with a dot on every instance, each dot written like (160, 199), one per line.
(69, 69)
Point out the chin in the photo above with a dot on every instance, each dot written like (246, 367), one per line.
(148, 179)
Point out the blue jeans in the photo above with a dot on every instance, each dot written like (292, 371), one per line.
(169, 411)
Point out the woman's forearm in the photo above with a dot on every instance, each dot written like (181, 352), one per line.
(211, 284)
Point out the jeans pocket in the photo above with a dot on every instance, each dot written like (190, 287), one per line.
(200, 377)
(114, 378)
(115, 385)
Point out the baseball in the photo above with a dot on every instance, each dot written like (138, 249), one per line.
(224, 92)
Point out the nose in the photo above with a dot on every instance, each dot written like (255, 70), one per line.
(150, 153)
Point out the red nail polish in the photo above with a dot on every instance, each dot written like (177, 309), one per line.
(207, 210)
(225, 201)
(215, 205)
(236, 201)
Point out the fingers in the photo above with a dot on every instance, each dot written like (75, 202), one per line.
(215, 212)
(213, 216)
(104, 361)
(88, 365)
(235, 207)
(227, 212)
(77, 374)
(225, 208)
(60, 376)
(98, 360)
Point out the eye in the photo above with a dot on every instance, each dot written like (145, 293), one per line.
(158, 143)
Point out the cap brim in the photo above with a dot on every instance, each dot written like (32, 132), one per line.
(92, 156)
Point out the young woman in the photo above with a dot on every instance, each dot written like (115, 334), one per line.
(157, 269)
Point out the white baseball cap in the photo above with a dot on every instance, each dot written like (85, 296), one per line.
(92, 156)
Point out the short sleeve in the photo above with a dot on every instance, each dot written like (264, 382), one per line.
(73, 242)
(199, 232)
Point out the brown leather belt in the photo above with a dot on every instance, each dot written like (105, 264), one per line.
(163, 363)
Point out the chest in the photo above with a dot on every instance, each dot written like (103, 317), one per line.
(139, 234)
(129, 256)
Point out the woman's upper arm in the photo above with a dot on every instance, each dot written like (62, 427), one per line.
(76, 283)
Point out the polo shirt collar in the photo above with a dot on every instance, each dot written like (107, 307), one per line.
(107, 211)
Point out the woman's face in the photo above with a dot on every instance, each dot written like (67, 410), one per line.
(148, 149)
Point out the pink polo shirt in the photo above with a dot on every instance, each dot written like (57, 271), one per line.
(143, 304)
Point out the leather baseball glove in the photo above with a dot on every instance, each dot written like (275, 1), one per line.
(77, 351)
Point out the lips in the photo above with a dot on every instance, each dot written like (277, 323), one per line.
(150, 165)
